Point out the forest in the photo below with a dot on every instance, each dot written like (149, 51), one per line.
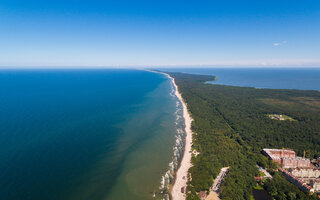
(231, 126)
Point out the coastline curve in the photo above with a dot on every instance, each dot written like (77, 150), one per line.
(178, 191)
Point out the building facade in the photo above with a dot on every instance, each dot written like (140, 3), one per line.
(305, 173)
(315, 184)
(295, 162)
(295, 180)
(279, 153)
(286, 158)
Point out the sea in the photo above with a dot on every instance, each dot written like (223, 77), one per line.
(88, 134)
(103, 134)
(270, 78)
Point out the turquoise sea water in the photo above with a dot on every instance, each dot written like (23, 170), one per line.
(87, 134)
(272, 78)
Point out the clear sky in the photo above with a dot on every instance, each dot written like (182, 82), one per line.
(159, 32)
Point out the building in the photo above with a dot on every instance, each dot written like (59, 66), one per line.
(279, 153)
(295, 162)
(299, 170)
(307, 180)
(219, 179)
(305, 173)
(286, 158)
(315, 184)
(295, 180)
(279, 117)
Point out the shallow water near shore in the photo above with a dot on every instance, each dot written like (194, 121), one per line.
(87, 134)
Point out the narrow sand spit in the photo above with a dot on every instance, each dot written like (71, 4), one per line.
(182, 173)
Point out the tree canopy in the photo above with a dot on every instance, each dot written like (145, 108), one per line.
(231, 126)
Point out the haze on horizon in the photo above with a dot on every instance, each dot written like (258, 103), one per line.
(159, 33)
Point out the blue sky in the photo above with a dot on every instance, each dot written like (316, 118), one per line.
(159, 33)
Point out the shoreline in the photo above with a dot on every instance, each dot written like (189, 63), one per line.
(181, 177)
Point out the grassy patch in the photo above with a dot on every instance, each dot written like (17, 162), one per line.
(261, 174)
(280, 117)
(258, 187)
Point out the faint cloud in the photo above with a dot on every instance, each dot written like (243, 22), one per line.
(276, 44)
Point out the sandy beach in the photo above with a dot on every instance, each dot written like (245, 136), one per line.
(182, 172)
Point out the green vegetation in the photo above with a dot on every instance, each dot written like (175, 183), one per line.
(231, 127)
(261, 174)
(283, 117)
(258, 187)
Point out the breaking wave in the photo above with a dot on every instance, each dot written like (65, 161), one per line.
(178, 149)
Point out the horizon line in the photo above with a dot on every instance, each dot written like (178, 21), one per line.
(155, 67)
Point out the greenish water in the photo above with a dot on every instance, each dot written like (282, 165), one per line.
(87, 134)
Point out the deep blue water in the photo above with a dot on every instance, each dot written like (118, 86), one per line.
(272, 78)
(78, 134)
(102, 134)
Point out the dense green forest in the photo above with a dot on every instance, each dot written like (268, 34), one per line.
(231, 126)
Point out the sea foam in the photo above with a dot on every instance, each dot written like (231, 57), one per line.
(168, 177)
